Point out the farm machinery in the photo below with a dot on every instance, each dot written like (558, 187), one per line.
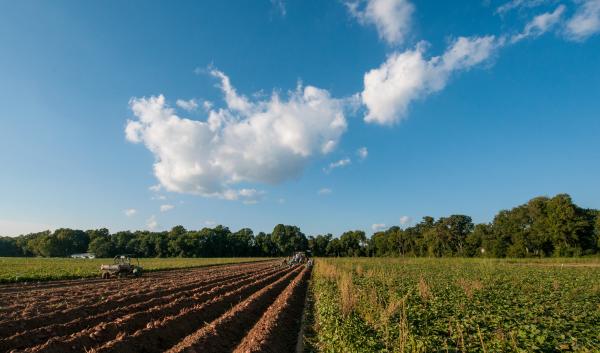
(122, 267)
(299, 258)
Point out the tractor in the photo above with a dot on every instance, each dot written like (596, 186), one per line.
(121, 267)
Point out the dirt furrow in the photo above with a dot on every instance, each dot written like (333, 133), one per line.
(41, 334)
(90, 291)
(149, 320)
(40, 307)
(9, 288)
(11, 327)
(32, 292)
(224, 334)
(277, 330)
(163, 334)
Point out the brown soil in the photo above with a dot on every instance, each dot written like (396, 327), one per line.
(251, 307)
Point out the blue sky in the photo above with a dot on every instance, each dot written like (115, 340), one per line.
(330, 115)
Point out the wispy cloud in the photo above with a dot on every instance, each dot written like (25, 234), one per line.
(188, 105)
(362, 153)
(152, 223)
(378, 227)
(210, 223)
(338, 164)
(279, 6)
(405, 220)
(540, 24)
(585, 22)
(130, 212)
(166, 207)
(324, 191)
(517, 4)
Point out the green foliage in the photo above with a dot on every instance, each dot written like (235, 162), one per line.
(102, 246)
(22, 269)
(542, 227)
(456, 305)
(288, 239)
(178, 242)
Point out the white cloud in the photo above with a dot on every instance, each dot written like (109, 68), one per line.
(392, 18)
(189, 105)
(585, 22)
(155, 188)
(279, 5)
(207, 105)
(377, 227)
(338, 164)
(362, 153)
(250, 196)
(166, 207)
(158, 197)
(130, 212)
(261, 141)
(516, 4)
(152, 223)
(281, 201)
(324, 191)
(540, 24)
(210, 223)
(405, 220)
(404, 77)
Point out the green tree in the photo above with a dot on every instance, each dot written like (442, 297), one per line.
(318, 244)
(102, 247)
(353, 243)
(288, 239)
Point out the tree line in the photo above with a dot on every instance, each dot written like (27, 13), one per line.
(542, 227)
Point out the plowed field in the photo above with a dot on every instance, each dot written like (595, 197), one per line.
(253, 307)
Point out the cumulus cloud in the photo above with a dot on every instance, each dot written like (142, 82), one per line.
(338, 164)
(540, 24)
(405, 220)
(362, 153)
(585, 22)
(406, 76)
(376, 227)
(152, 223)
(324, 191)
(130, 212)
(248, 141)
(392, 18)
(189, 105)
(166, 207)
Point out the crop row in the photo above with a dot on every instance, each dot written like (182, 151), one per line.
(429, 305)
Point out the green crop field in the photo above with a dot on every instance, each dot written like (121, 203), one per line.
(19, 269)
(456, 305)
